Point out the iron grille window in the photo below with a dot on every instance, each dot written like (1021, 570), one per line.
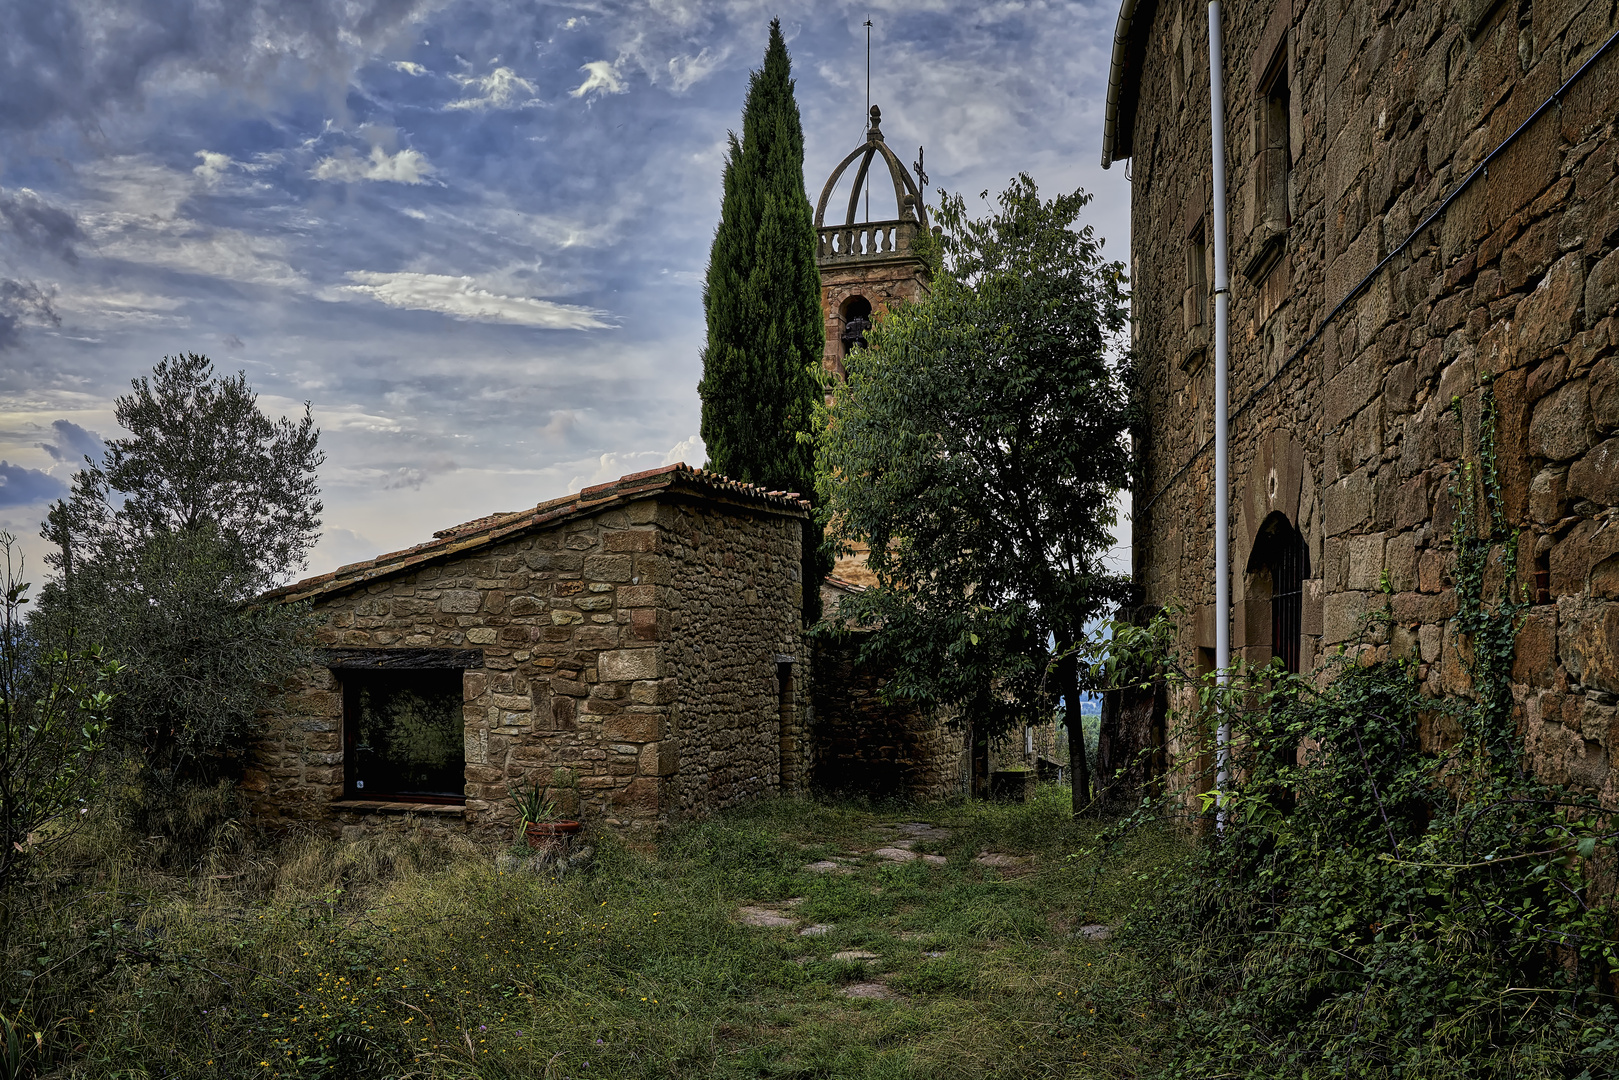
(1287, 598)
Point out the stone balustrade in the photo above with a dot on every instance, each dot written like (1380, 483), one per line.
(870, 239)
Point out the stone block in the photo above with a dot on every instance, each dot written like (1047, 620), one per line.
(653, 692)
(660, 758)
(607, 568)
(632, 540)
(1604, 383)
(482, 635)
(1348, 504)
(1341, 616)
(1548, 495)
(1559, 429)
(629, 664)
(1596, 475)
(511, 702)
(630, 596)
(1548, 317)
(1400, 387)
(1534, 659)
(639, 798)
(1365, 562)
(1400, 559)
(460, 601)
(1588, 641)
(1602, 289)
(1411, 503)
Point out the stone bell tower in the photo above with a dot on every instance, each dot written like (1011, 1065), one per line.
(866, 266)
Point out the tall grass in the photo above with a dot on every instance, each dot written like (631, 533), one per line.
(412, 954)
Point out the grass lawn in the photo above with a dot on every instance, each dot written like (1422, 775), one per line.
(395, 957)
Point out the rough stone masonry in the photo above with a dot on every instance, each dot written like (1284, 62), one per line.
(644, 635)
(1349, 123)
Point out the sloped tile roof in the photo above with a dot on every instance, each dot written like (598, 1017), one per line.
(469, 536)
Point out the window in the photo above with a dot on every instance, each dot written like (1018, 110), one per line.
(1195, 301)
(1275, 146)
(403, 735)
(1281, 556)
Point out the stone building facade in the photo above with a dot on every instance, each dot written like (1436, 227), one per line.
(642, 636)
(1424, 217)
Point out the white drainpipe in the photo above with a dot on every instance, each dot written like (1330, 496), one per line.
(1222, 344)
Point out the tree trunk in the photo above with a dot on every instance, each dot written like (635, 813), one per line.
(1079, 767)
(980, 763)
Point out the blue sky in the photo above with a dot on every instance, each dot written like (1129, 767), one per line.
(471, 233)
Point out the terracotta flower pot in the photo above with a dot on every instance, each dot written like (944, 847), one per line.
(552, 835)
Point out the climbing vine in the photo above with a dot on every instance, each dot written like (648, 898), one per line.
(1386, 890)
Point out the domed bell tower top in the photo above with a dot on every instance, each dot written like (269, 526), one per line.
(867, 266)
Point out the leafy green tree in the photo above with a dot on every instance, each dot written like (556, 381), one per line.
(977, 448)
(161, 549)
(762, 296)
(53, 713)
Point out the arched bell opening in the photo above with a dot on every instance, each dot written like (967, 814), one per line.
(1277, 567)
(856, 315)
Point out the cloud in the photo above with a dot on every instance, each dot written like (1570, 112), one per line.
(502, 88)
(611, 466)
(461, 298)
(601, 78)
(412, 477)
(38, 224)
(73, 443)
(23, 302)
(687, 71)
(232, 342)
(213, 166)
(406, 167)
(74, 59)
(25, 487)
(409, 68)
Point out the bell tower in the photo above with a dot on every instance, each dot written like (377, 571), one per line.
(867, 266)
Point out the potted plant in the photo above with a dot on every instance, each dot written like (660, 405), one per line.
(537, 813)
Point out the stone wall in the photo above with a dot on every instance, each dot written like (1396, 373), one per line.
(1350, 427)
(734, 639)
(865, 746)
(633, 644)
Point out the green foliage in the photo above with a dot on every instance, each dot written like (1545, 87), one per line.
(53, 717)
(162, 548)
(1375, 909)
(411, 954)
(976, 448)
(762, 296)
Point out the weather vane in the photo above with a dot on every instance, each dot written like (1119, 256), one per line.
(867, 118)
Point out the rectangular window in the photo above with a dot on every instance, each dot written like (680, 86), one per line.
(1196, 299)
(1276, 168)
(403, 735)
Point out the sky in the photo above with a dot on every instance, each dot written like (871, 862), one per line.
(470, 233)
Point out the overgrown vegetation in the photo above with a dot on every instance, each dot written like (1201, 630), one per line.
(1392, 892)
(412, 954)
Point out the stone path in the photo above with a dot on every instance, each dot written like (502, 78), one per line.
(871, 991)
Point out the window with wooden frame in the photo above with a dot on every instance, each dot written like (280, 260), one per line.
(404, 731)
(1273, 184)
(1195, 300)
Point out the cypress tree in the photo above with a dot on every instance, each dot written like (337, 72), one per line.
(762, 296)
